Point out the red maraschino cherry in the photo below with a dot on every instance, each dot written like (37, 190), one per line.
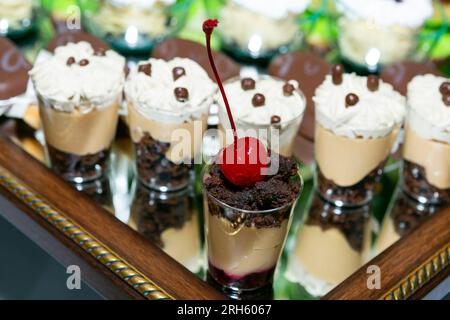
(242, 161)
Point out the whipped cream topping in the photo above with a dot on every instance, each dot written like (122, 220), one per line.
(66, 87)
(374, 116)
(153, 96)
(276, 103)
(143, 4)
(428, 115)
(408, 13)
(281, 9)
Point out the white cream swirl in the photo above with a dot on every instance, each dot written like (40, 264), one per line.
(276, 103)
(374, 116)
(143, 4)
(66, 87)
(153, 96)
(428, 115)
(280, 10)
(408, 13)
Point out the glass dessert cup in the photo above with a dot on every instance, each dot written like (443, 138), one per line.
(331, 244)
(166, 148)
(348, 170)
(78, 142)
(252, 36)
(426, 170)
(17, 19)
(243, 247)
(169, 220)
(129, 28)
(366, 45)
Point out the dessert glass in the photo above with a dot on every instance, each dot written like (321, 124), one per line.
(78, 142)
(348, 169)
(278, 137)
(135, 26)
(243, 247)
(17, 17)
(248, 34)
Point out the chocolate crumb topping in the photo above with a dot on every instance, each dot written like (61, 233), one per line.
(146, 68)
(181, 94)
(248, 84)
(178, 72)
(275, 119)
(288, 89)
(258, 100)
(83, 62)
(336, 74)
(444, 88)
(373, 82)
(351, 99)
(70, 61)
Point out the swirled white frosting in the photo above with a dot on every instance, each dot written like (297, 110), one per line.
(144, 4)
(276, 11)
(409, 13)
(428, 115)
(153, 96)
(375, 115)
(65, 87)
(276, 103)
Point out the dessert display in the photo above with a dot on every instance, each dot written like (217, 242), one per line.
(168, 104)
(259, 29)
(404, 214)
(331, 244)
(374, 33)
(357, 122)
(132, 25)
(426, 151)
(169, 220)
(16, 17)
(79, 92)
(268, 108)
(249, 194)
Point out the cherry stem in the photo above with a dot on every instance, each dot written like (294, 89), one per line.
(208, 27)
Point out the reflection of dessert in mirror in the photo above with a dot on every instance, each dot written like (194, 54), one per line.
(262, 107)
(357, 122)
(248, 205)
(79, 92)
(426, 152)
(405, 214)
(15, 16)
(258, 29)
(182, 48)
(331, 244)
(168, 104)
(170, 221)
(99, 191)
(380, 32)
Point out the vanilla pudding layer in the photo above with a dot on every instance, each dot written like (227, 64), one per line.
(185, 137)
(15, 10)
(432, 155)
(347, 161)
(77, 132)
(243, 250)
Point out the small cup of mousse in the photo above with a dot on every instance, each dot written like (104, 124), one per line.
(268, 108)
(426, 151)
(79, 92)
(357, 123)
(168, 107)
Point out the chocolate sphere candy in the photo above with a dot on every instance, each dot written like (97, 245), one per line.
(181, 94)
(248, 84)
(145, 68)
(83, 62)
(178, 72)
(336, 74)
(181, 48)
(13, 70)
(351, 99)
(258, 100)
(444, 88)
(288, 89)
(373, 82)
(275, 119)
(64, 38)
(446, 100)
(70, 61)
